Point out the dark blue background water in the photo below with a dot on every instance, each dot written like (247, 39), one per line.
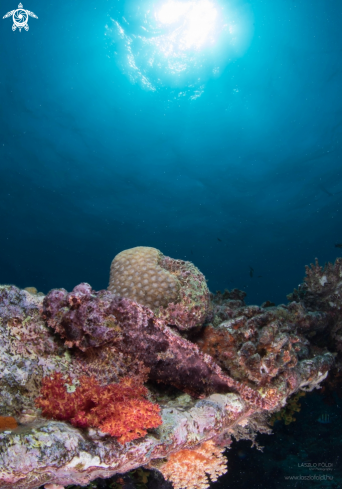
(91, 163)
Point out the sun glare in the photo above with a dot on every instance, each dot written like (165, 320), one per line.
(195, 22)
(180, 44)
(171, 11)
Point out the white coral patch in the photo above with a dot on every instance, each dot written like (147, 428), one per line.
(323, 280)
(231, 402)
(84, 461)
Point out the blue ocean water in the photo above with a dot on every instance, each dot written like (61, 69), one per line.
(221, 146)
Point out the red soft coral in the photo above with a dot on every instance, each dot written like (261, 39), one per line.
(117, 409)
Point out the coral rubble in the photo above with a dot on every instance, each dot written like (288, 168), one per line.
(74, 406)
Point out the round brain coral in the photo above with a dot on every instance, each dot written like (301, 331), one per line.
(136, 274)
(174, 289)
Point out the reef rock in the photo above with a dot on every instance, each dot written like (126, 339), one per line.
(322, 291)
(215, 381)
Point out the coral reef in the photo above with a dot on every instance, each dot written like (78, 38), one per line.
(322, 291)
(117, 409)
(29, 351)
(224, 303)
(89, 319)
(194, 307)
(322, 287)
(33, 291)
(287, 414)
(174, 289)
(266, 349)
(100, 364)
(138, 274)
(189, 469)
(57, 453)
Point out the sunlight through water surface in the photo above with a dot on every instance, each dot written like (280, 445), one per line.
(179, 44)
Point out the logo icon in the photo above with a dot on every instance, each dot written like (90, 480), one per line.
(20, 18)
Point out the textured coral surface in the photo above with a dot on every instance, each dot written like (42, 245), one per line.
(194, 307)
(28, 351)
(174, 289)
(322, 291)
(89, 319)
(266, 348)
(120, 410)
(322, 287)
(242, 362)
(138, 275)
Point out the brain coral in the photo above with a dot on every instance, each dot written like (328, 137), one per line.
(174, 289)
(136, 274)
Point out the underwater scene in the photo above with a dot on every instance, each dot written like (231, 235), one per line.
(171, 244)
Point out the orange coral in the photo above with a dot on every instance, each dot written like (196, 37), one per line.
(117, 409)
(187, 469)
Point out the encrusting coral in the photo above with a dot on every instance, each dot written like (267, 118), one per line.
(266, 350)
(322, 291)
(322, 287)
(29, 351)
(73, 367)
(189, 469)
(89, 320)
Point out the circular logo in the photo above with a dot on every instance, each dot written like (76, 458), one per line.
(20, 17)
